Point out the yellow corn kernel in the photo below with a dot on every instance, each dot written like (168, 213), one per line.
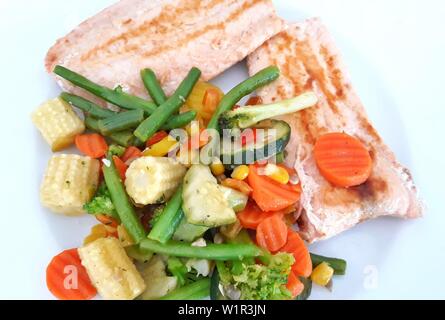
(98, 231)
(70, 181)
(217, 167)
(58, 123)
(124, 237)
(322, 274)
(162, 148)
(276, 173)
(240, 172)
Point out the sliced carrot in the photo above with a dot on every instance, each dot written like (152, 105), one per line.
(296, 246)
(271, 233)
(342, 159)
(120, 166)
(294, 285)
(252, 216)
(253, 101)
(158, 136)
(107, 220)
(271, 195)
(131, 153)
(92, 145)
(67, 279)
(239, 185)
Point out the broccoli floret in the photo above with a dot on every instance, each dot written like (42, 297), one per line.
(101, 203)
(248, 116)
(260, 281)
(115, 150)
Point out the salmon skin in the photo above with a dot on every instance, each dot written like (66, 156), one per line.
(169, 36)
(309, 61)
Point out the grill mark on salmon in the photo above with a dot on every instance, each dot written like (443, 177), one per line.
(196, 34)
(335, 73)
(171, 16)
(169, 36)
(309, 60)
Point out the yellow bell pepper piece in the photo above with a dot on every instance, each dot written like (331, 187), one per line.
(97, 232)
(162, 148)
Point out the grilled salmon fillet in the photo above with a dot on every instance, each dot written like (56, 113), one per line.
(169, 36)
(309, 61)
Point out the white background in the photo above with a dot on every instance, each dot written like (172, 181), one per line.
(395, 52)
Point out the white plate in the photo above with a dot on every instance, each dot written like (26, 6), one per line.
(394, 50)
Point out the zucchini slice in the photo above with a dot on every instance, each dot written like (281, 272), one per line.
(275, 137)
(203, 201)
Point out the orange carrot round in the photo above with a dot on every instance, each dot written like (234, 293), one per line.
(92, 145)
(271, 195)
(271, 233)
(342, 159)
(67, 279)
(294, 285)
(296, 246)
(131, 153)
(252, 216)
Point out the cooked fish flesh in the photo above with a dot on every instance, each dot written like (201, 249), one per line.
(169, 36)
(310, 61)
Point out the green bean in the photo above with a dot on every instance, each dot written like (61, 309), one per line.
(195, 291)
(138, 254)
(92, 123)
(116, 96)
(246, 87)
(87, 106)
(210, 252)
(123, 138)
(339, 265)
(179, 121)
(154, 122)
(169, 219)
(121, 202)
(153, 87)
(121, 121)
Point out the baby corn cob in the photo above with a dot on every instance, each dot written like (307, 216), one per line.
(69, 182)
(152, 180)
(111, 270)
(58, 123)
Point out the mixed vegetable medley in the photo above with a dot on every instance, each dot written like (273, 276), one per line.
(171, 225)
